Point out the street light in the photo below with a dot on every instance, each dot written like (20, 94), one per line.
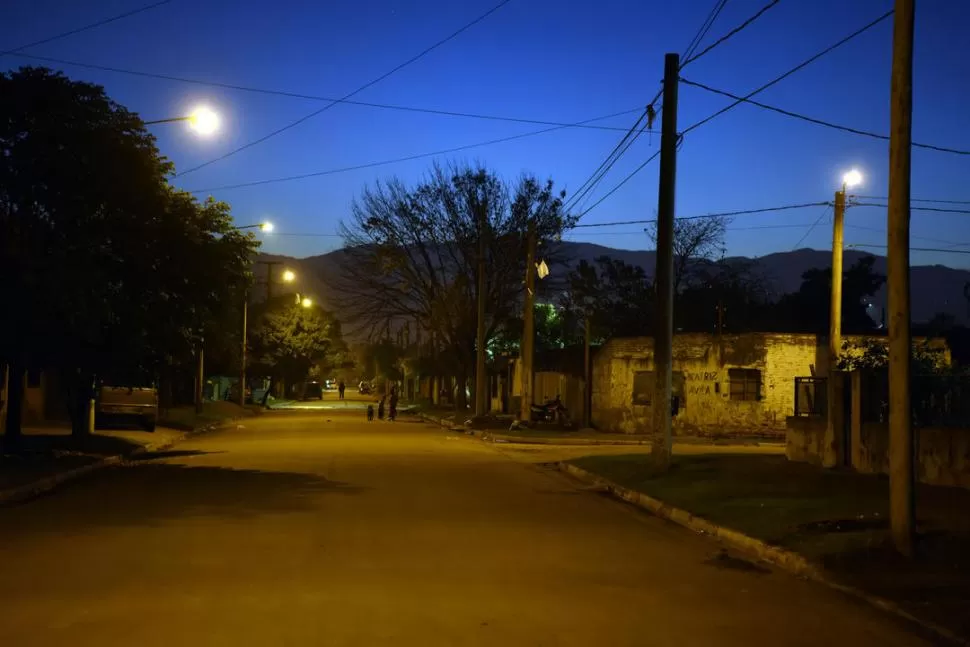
(851, 179)
(288, 276)
(266, 226)
(202, 120)
(834, 424)
(306, 302)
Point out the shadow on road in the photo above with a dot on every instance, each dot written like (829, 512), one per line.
(151, 493)
(64, 442)
(171, 453)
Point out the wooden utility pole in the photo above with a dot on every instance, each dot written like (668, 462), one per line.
(242, 362)
(527, 347)
(835, 413)
(481, 379)
(901, 491)
(587, 374)
(664, 273)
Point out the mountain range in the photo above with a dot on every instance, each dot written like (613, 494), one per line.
(934, 288)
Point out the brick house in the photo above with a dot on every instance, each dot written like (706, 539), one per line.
(725, 384)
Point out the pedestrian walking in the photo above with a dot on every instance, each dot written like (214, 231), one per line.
(380, 409)
(393, 411)
(341, 388)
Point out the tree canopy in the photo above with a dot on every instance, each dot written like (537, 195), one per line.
(290, 341)
(412, 251)
(106, 267)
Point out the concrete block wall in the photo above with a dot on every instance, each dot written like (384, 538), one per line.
(704, 360)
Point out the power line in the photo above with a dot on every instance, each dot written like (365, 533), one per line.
(912, 208)
(919, 249)
(791, 71)
(872, 197)
(722, 214)
(811, 228)
(393, 70)
(819, 122)
(621, 183)
(731, 33)
(597, 176)
(312, 97)
(408, 158)
(93, 25)
(704, 28)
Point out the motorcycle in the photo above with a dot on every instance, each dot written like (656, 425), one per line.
(551, 411)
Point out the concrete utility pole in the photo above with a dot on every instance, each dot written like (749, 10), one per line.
(200, 376)
(242, 364)
(835, 415)
(527, 347)
(664, 273)
(481, 379)
(269, 278)
(587, 373)
(901, 496)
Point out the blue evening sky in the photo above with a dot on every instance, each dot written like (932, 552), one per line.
(540, 59)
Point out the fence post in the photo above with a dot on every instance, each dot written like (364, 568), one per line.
(858, 452)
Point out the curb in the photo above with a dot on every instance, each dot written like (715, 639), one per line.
(450, 426)
(784, 559)
(32, 490)
(542, 440)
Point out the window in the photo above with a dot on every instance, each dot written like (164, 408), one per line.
(643, 387)
(745, 384)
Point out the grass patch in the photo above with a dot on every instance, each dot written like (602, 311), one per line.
(837, 518)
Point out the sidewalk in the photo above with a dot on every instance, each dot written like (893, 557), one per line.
(50, 455)
(837, 520)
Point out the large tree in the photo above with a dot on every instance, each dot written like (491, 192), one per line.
(412, 252)
(290, 340)
(808, 309)
(106, 268)
(697, 243)
(616, 296)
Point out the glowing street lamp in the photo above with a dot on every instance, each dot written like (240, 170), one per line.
(851, 179)
(306, 302)
(265, 226)
(203, 120)
(289, 276)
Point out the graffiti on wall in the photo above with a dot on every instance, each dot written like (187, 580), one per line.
(700, 382)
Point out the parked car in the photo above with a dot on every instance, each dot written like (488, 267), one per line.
(312, 390)
(136, 404)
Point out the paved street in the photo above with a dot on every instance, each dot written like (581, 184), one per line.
(318, 528)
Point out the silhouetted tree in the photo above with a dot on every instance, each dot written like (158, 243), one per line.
(808, 309)
(723, 296)
(617, 296)
(105, 268)
(697, 241)
(411, 254)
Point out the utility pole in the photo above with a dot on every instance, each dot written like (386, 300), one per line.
(587, 373)
(269, 278)
(481, 379)
(242, 363)
(835, 414)
(527, 347)
(902, 508)
(200, 376)
(664, 273)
